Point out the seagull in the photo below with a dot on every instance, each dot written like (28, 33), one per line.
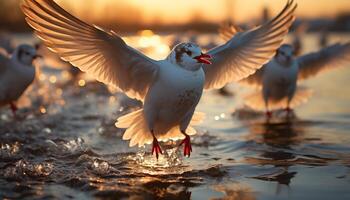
(278, 79)
(16, 74)
(170, 89)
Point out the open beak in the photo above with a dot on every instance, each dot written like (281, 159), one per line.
(203, 58)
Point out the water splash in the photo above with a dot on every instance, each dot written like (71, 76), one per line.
(170, 158)
(9, 150)
(100, 167)
(25, 168)
(75, 145)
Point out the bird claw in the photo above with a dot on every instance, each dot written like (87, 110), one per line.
(156, 148)
(187, 147)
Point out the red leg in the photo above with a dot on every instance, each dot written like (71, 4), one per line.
(268, 114)
(288, 110)
(13, 108)
(156, 148)
(187, 146)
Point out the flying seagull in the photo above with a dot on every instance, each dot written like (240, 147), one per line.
(170, 89)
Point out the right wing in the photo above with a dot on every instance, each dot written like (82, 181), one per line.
(328, 58)
(101, 54)
(227, 31)
(246, 52)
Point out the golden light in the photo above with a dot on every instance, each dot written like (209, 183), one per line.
(59, 91)
(175, 12)
(163, 49)
(81, 83)
(41, 91)
(65, 74)
(147, 41)
(42, 77)
(52, 79)
(146, 33)
(42, 109)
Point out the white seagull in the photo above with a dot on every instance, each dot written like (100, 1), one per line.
(170, 89)
(279, 77)
(16, 74)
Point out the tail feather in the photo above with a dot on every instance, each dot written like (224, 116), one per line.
(301, 96)
(124, 121)
(256, 100)
(138, 133)
(130, 131)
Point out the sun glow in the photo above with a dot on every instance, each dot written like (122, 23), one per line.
(182, 11)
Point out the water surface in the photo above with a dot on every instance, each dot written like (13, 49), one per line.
(64, 145)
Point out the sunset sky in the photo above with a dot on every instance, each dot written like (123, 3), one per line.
(180, 11)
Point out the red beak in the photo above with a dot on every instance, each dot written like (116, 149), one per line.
(203, 58)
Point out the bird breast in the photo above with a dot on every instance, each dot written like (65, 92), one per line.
(280, 76)
(175, 92)
(16, 80)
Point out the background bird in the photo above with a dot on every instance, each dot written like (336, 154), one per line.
(278, 79)
(170, 89)
(16, 74)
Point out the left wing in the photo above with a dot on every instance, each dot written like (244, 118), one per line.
(328, 58)
(246, 52)
(102, 54)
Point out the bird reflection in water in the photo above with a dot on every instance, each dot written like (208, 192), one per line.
(276, 142)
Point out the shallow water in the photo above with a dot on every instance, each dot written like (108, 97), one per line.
(66, 146)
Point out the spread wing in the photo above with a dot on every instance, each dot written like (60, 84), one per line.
(328, 58)
(227, 31)
(246, 52)
(102, 54)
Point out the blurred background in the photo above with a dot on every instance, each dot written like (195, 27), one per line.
(64, 143)
(184, 15)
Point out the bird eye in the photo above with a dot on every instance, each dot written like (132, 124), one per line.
(189, 53)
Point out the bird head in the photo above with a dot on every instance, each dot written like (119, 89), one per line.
(189, 56)
(285, 54)
(25, 54)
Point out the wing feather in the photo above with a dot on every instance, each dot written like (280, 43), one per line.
(328, 58)
(100, 53)
(246, 52)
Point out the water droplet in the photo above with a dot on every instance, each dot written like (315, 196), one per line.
(9, 150)
(100, 167)
(25, 168)
(47, 130)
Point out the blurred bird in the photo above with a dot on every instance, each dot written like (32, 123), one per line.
(298, 33)
(170, 89)
(279, 77)
(16, 74)
(6, 42)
